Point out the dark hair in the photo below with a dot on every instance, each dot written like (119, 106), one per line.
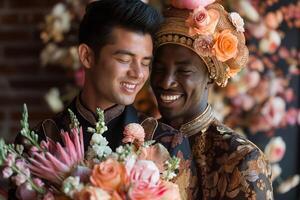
(104, 15)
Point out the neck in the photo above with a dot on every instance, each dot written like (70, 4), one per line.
(177, 122)
(92, 100)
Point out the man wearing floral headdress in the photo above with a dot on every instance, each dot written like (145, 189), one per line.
(198, 44)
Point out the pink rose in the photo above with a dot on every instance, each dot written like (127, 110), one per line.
(10, 159)
(203, 45)
(274, 111)
(134, 132)
(202, 21)
(275, 149)
(143, 191)
(190, 4)
(156, 153)
(7, 172)
(252, 79)
(273, 19)
(237, 21)
(143, 171)
(291, 116)
(298, 118)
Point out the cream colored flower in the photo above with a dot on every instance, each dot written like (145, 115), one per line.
(237, 21)
(275, 149)
(53, 99)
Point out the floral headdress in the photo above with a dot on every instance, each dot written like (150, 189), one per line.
(206, 28)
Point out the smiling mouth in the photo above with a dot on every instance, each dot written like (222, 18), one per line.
(129, 87)
(168, 98)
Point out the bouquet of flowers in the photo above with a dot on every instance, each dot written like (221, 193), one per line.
(49, 170)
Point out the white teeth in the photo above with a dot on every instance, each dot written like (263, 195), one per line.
(169, 97)
(129, 86)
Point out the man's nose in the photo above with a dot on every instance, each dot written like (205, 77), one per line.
(136, 71)
(168, 81)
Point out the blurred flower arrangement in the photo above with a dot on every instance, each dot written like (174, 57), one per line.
(51, 170)
(261, 94)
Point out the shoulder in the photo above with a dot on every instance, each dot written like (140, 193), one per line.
(240, 162)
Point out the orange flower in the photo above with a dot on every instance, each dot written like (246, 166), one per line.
(202, 21)
(94, 193)
(134, 132)
(109, 175)
(225, 46)
(172, 191)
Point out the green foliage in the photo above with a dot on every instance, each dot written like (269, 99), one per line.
(74, 121)
(31, 136)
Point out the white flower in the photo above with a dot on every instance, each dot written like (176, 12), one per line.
(53, 99)
(275, 149)
(274, 111)
(101, 151)
(71, 185)
(98, 139)
(248, 10)
(270, 43)
(276, 171)
(237, 21)
(288, 184)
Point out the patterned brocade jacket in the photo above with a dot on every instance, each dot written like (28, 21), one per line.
(228, 165)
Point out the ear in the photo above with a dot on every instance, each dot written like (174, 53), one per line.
(210, 83)
(86, 56)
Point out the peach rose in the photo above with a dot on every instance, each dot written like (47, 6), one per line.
(225, 46)
(109, 175)
(92, 193)
(202, 21)
(190, 4)
(142, 191)
(134, 132)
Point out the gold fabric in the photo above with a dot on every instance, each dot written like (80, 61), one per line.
(228, 165)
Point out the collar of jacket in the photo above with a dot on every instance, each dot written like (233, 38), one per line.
(109, 114)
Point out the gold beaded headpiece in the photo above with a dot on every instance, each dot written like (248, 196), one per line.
(212, 33)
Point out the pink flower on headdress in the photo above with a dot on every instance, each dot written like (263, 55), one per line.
(203, 21)
(134, 132)
(190, 4)
(203, 45)
(237, 21)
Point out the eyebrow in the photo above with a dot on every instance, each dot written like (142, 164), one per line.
(183, 62)
(125, 52)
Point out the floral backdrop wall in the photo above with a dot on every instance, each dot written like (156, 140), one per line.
(262, 102)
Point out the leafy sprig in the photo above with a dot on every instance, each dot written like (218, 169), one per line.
(31, 136)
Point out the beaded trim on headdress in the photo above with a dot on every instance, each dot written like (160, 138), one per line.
(177, 30)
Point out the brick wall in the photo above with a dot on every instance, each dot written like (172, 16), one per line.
(22, 80)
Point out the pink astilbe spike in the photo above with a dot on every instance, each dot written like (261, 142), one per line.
(57, 161)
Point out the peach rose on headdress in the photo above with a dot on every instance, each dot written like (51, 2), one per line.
(109, 175)
(225, 46)
(202, 21)
(203, 45)
(190, 4)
